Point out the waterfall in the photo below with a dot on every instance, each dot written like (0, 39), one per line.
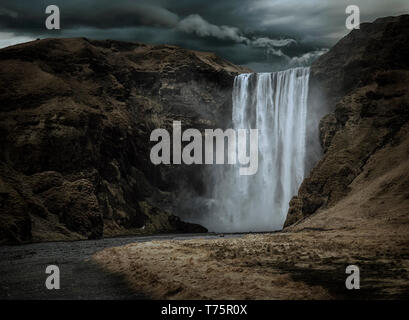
(276, 104)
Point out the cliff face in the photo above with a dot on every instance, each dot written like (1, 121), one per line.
(75, 121)
(364, 80)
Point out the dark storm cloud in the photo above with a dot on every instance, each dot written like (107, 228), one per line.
(263, 34)
(28, 15)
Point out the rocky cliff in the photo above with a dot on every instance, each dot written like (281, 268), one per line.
(75, 121)
(364, 81)
(353, 209)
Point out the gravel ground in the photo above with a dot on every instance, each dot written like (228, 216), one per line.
(22, 269)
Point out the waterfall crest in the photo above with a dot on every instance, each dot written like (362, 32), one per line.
(275, 104)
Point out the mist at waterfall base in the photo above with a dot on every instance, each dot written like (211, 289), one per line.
(276, 104)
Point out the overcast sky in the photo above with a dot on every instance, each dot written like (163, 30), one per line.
(265, 35)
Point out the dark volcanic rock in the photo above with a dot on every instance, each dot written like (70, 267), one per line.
(364, 81)
(75, 121)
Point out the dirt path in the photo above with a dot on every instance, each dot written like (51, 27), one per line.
(302, 264)
(22, 269)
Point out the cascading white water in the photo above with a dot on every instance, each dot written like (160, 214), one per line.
(275, 104)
